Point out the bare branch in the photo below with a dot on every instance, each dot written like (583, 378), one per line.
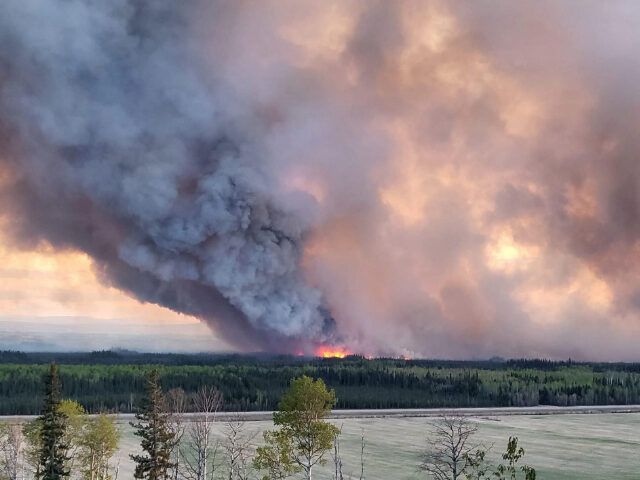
(11, 451)
(198, 451)
(450, 451)
(363, 445)
(238, 449)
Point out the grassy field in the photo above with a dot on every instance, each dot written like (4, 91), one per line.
(561, 447)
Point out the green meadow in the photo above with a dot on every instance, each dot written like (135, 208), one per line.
(560, 447)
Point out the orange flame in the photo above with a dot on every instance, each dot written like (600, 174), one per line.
(332, 352)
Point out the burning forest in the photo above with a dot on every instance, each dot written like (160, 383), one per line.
(409, 179)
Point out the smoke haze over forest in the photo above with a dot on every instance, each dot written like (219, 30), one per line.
(420, 178)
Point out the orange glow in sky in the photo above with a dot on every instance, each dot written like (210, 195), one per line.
(48, 283)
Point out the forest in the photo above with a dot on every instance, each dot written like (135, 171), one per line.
(66, 443)
(113, 382)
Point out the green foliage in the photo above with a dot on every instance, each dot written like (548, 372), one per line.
(53, 425)
(98, 443)
(157, 437)
(72, 416)
(74, 420)
(477, 467)
(72, 410)
(276, 457)
(249, 383)
(304, 436)
(306, 402)
(64, 432)
(512, 456)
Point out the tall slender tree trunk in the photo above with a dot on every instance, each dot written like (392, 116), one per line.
(93, 466)
(307, 469)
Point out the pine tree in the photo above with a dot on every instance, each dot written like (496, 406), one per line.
(53, 427)
(157, 437)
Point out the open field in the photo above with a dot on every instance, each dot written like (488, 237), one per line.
(562, 447)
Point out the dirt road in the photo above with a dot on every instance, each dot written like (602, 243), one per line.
(418, 412)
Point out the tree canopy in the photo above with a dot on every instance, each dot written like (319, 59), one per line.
(157, 437)
(53, 426)
(304, 436)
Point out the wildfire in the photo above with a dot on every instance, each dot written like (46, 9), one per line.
(332, 352)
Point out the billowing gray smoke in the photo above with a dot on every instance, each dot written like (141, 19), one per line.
(122, 146)
(450, 179)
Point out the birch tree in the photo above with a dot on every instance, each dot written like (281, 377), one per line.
(303, 429)
(177, 406)
(97, 445)
(237, 448)
(337, 457)
(449, 453)
(11, 452)
(199, 451)
(363, 454)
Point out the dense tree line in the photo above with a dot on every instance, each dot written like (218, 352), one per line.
(257, 383)
(63, 443)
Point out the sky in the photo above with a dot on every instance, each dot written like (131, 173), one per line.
(411, 178)
(53, 301)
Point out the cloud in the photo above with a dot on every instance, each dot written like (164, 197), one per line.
(417, 178)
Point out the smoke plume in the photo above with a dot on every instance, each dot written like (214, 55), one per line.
(413, 177)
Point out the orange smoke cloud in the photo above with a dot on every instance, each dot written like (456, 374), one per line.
(467, 238)
(449, 179)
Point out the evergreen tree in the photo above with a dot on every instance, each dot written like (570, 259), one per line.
(157, 437)
(52, 433)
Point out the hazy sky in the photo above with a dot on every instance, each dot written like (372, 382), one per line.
(422, 178)
(53, 300)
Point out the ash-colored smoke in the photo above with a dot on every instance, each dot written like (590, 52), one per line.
(443, 179)
(123, 145)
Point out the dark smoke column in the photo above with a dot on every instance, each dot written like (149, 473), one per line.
(120, 145)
